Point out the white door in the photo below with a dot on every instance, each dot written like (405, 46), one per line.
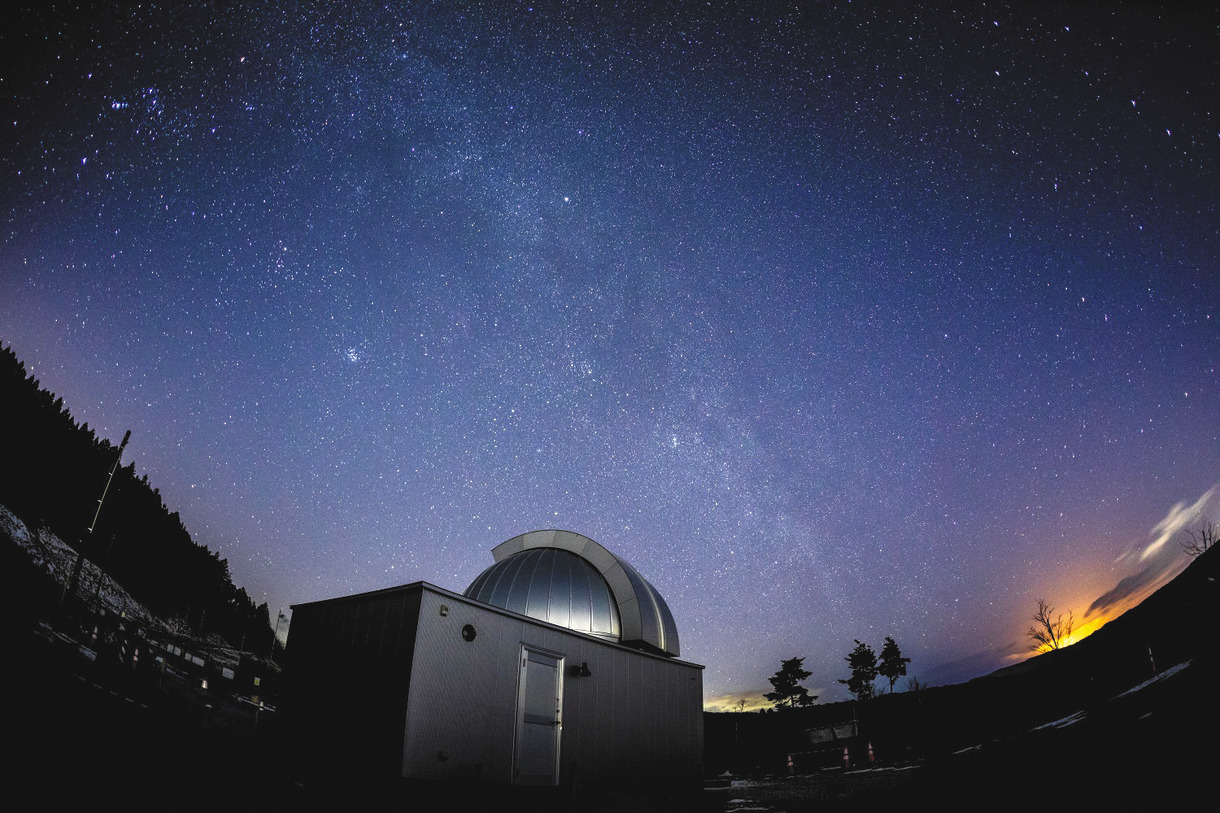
(539, 718)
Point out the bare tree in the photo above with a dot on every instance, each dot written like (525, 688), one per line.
(1202, 539)
(1050, 631)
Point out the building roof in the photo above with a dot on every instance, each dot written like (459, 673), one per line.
(570, 580)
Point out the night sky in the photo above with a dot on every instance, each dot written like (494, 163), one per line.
(836, 320)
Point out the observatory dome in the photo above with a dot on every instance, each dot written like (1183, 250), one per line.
(567, 579)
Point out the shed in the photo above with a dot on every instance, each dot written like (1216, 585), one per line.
(557, 665)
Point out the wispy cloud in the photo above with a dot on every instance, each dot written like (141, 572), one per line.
(1157, 561)
(1179, 517)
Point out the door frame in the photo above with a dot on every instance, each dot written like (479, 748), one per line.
(519, 728)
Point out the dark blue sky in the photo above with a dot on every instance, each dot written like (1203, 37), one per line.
(837, 320)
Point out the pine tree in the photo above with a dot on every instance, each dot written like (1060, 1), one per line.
(788, 691)
(893, 665)
(863, 663)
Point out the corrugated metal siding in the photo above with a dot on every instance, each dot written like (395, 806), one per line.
(638, 717)
(384, 684)
(462, 703)
(552, 585)
(349, 666)
(646, 621)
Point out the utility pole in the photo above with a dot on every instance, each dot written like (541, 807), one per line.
(74, 577)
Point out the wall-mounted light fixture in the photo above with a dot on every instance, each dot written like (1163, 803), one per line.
(580, 671)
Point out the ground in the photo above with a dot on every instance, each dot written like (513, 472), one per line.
(88, 730)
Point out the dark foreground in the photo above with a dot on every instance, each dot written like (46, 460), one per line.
(1151, 745)
(87, 733)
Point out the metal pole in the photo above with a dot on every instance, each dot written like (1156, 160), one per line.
(72, 577)
(113, 469)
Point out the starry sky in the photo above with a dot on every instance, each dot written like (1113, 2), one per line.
(837, 320)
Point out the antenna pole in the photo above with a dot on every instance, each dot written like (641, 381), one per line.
(74, 576)
(105, 490)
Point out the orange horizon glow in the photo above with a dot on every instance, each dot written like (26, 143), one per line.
(1078, 634)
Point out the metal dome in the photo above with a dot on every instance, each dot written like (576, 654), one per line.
(551, 585)
(567, 579)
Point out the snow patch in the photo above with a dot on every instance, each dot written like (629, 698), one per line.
(1168, 673)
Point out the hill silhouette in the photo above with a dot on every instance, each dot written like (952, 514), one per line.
(55, 471)
(1126, 714)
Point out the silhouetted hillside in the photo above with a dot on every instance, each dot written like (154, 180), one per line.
(1132, 694)
(54, 472)
(1176, 623)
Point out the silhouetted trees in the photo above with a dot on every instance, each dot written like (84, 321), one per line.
(53, 474)
(893, 665)
(865, 668)
(788, 691)
(1048, 630)
(863, 663)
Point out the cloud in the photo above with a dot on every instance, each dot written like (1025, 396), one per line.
(1156, 562)
(969, 667)
(1126, 588)
(1178, 518)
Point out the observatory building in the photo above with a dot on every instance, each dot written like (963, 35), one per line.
(558, 664)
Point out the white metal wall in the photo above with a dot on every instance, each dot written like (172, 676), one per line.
(637, 717)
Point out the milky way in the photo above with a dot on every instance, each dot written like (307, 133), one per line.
(837, 321)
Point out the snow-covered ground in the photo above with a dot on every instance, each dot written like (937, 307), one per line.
(57, 558)
(1158, 677)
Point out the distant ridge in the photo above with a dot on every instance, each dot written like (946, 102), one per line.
(1117, 716)
(1179, 621)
